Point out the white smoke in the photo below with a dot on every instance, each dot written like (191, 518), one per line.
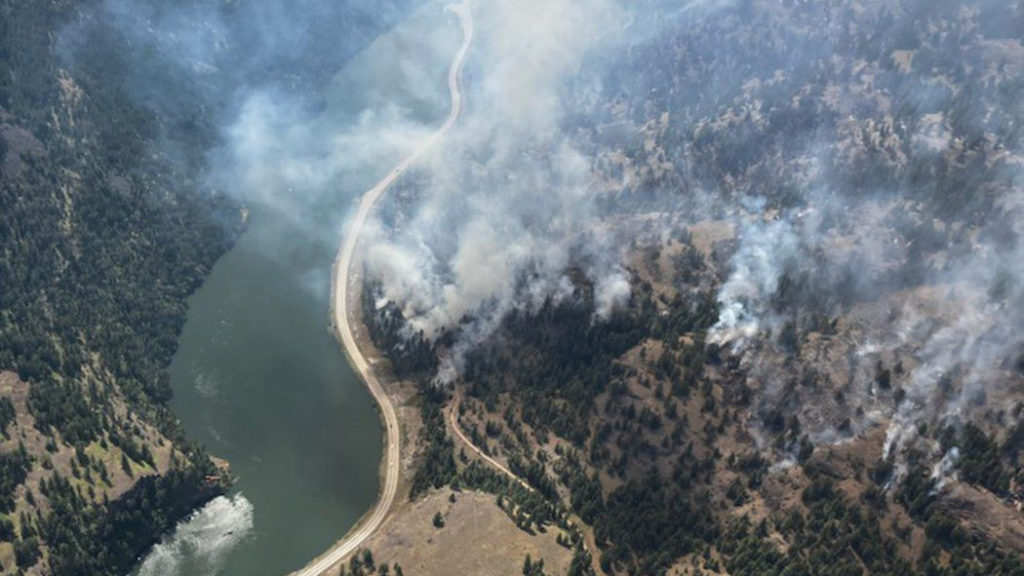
(767, 245)
(933, 392)
(201, 543)
(959, 332)
(290, 157)
(505, 206)
(962, 366)
(945, 470)
(499, 213)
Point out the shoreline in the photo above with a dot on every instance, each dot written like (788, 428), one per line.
(346, 289)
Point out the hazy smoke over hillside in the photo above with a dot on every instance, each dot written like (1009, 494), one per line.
(504, 203)
(954, 328)
(966, 361)
(504, 210)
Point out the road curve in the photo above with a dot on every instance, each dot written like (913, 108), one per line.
(346, 288)
(454, 422)
(588, 532)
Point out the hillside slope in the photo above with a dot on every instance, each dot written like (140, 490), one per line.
(102, 238)
(819, 368)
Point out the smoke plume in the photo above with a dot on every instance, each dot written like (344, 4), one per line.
(875, 185)
(503, 208)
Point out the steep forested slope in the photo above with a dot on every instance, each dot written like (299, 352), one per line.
(102, 237)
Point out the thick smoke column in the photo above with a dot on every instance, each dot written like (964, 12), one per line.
(768, 246)
(504, 207)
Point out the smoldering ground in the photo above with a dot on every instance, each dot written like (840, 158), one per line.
(936, 244)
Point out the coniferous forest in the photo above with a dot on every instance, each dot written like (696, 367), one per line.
(102, 237)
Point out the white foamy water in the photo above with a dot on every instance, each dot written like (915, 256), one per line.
(200, 544)
(206, 384)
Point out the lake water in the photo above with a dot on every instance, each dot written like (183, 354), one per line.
(259, 379)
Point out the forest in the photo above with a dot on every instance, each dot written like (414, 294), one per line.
(103, 237)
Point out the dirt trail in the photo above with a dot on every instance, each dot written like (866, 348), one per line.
(590, 543)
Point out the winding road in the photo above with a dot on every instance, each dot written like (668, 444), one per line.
(346, 289)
